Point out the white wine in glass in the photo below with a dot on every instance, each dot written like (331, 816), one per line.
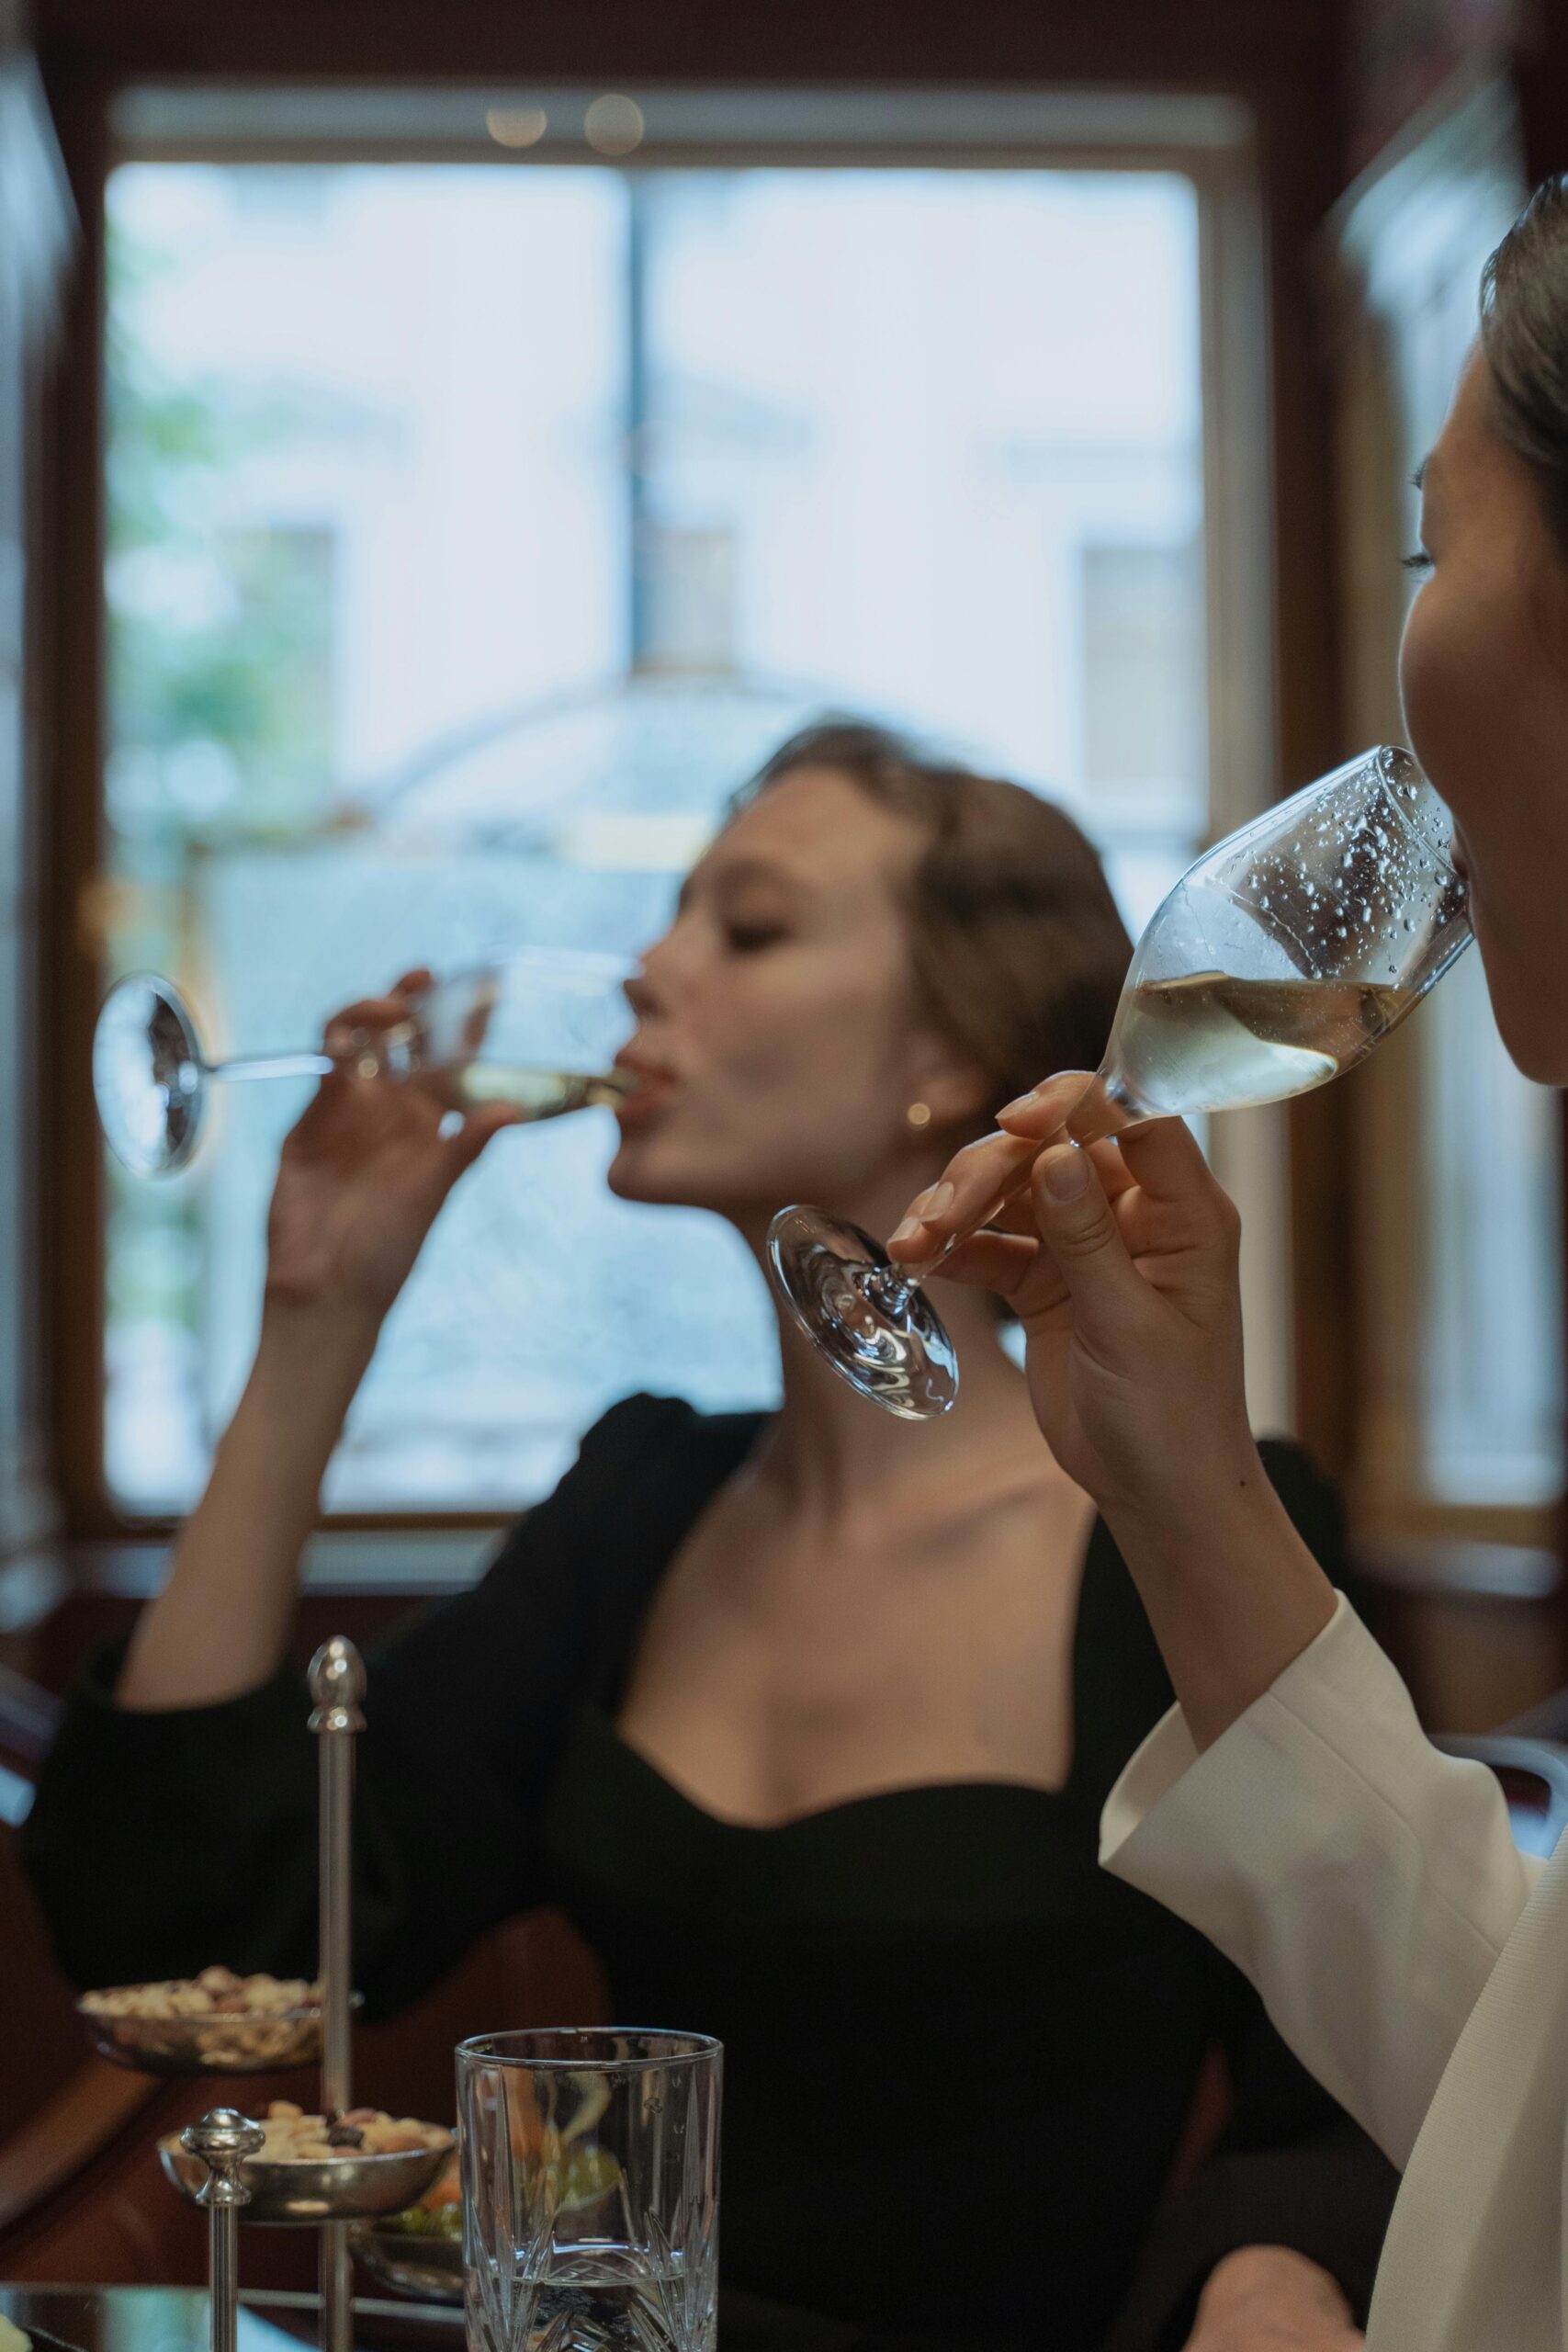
(1213, 1042)
(1281, 959)
(537, 1029)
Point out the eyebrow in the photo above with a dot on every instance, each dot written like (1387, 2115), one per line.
(742, 870)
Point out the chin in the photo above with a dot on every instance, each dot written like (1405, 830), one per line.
(1530, 1006)
(640, 1173)
(1537, 1048)
(628, 1176)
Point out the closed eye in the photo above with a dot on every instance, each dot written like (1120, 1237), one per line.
(749, 938)
(1420, 561)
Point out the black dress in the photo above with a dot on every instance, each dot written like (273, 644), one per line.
(958, 2057)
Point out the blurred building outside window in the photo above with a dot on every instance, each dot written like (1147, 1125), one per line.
(475, 531)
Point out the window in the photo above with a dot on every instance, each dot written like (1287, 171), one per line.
(1460, 1166)
(475, 530)
(1142, 623)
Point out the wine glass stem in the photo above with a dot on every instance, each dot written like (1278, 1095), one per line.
(1023, 1157)
(1110, 1109)
(271, 1065)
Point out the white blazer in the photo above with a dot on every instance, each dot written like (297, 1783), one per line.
(1410, 1955)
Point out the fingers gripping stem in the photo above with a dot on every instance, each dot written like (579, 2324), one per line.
(1089, 1117)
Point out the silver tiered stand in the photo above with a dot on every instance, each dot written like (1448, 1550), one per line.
(215, 2163)
(337, 1687)
(222, 2139)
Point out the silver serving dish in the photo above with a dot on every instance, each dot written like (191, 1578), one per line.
(349, 2187)
(230, 2042)
(430, 2267)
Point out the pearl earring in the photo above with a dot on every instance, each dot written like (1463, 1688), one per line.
(919, 1114)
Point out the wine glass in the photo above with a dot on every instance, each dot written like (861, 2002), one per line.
(1278, 960)
(537, 1029)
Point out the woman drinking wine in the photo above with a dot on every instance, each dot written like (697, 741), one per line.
(808, 1748)
(1290, 1806)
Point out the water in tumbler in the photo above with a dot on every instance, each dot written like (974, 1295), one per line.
(1208, 1042)
(603, 2301)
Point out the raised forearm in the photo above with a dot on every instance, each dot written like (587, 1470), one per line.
(220, 1625)
(1231, 1590)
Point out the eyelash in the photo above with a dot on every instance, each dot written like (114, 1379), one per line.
(1418, 562)
(746, 939)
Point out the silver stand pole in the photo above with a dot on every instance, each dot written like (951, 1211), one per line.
(222, 2139)
(337, 1686)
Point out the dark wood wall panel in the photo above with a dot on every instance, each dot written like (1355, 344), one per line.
(1208, 42)
(72, 656)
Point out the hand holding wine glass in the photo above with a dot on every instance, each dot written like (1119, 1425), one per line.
(1281, 959)
(366, 1170)
(361, 1179)
(1119, 1261)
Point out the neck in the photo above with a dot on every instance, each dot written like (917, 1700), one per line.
(834, 1454)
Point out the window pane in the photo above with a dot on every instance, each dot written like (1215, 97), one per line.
(1491, 1372)
(475, 532)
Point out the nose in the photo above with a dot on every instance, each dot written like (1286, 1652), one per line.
(647, 990)
(638, 993)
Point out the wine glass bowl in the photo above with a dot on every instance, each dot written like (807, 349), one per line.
(1292, 948)
(1281, 959)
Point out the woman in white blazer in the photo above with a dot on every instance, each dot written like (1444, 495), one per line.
(1289, 1806)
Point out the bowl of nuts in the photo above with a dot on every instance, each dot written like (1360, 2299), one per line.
(216, 2023)
(356, 2166)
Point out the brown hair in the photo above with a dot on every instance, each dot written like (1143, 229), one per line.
(1524, 335)
(1016, 946)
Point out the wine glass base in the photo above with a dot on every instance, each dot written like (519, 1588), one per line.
(877, 1330)
(149, 1076)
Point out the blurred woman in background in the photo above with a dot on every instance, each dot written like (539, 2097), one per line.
(806, 1726)
(1291, 1807)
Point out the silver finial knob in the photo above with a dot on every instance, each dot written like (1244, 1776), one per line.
(222, 2138)
(337, 1686)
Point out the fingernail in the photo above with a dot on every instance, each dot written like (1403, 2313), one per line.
(937, 1202)
(1065, 1172)
(906, 1232)
(1021, 1101)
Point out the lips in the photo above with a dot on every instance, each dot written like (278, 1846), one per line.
(654, 1085)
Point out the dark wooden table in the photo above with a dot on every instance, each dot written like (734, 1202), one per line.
(174, 2319)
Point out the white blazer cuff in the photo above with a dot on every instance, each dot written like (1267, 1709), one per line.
(1168, 1752)
(1363, 1881)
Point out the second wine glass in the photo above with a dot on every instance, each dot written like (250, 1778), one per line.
(537, 1029)
(1281, 959)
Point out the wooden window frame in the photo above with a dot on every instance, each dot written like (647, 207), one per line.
(1274, 638)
